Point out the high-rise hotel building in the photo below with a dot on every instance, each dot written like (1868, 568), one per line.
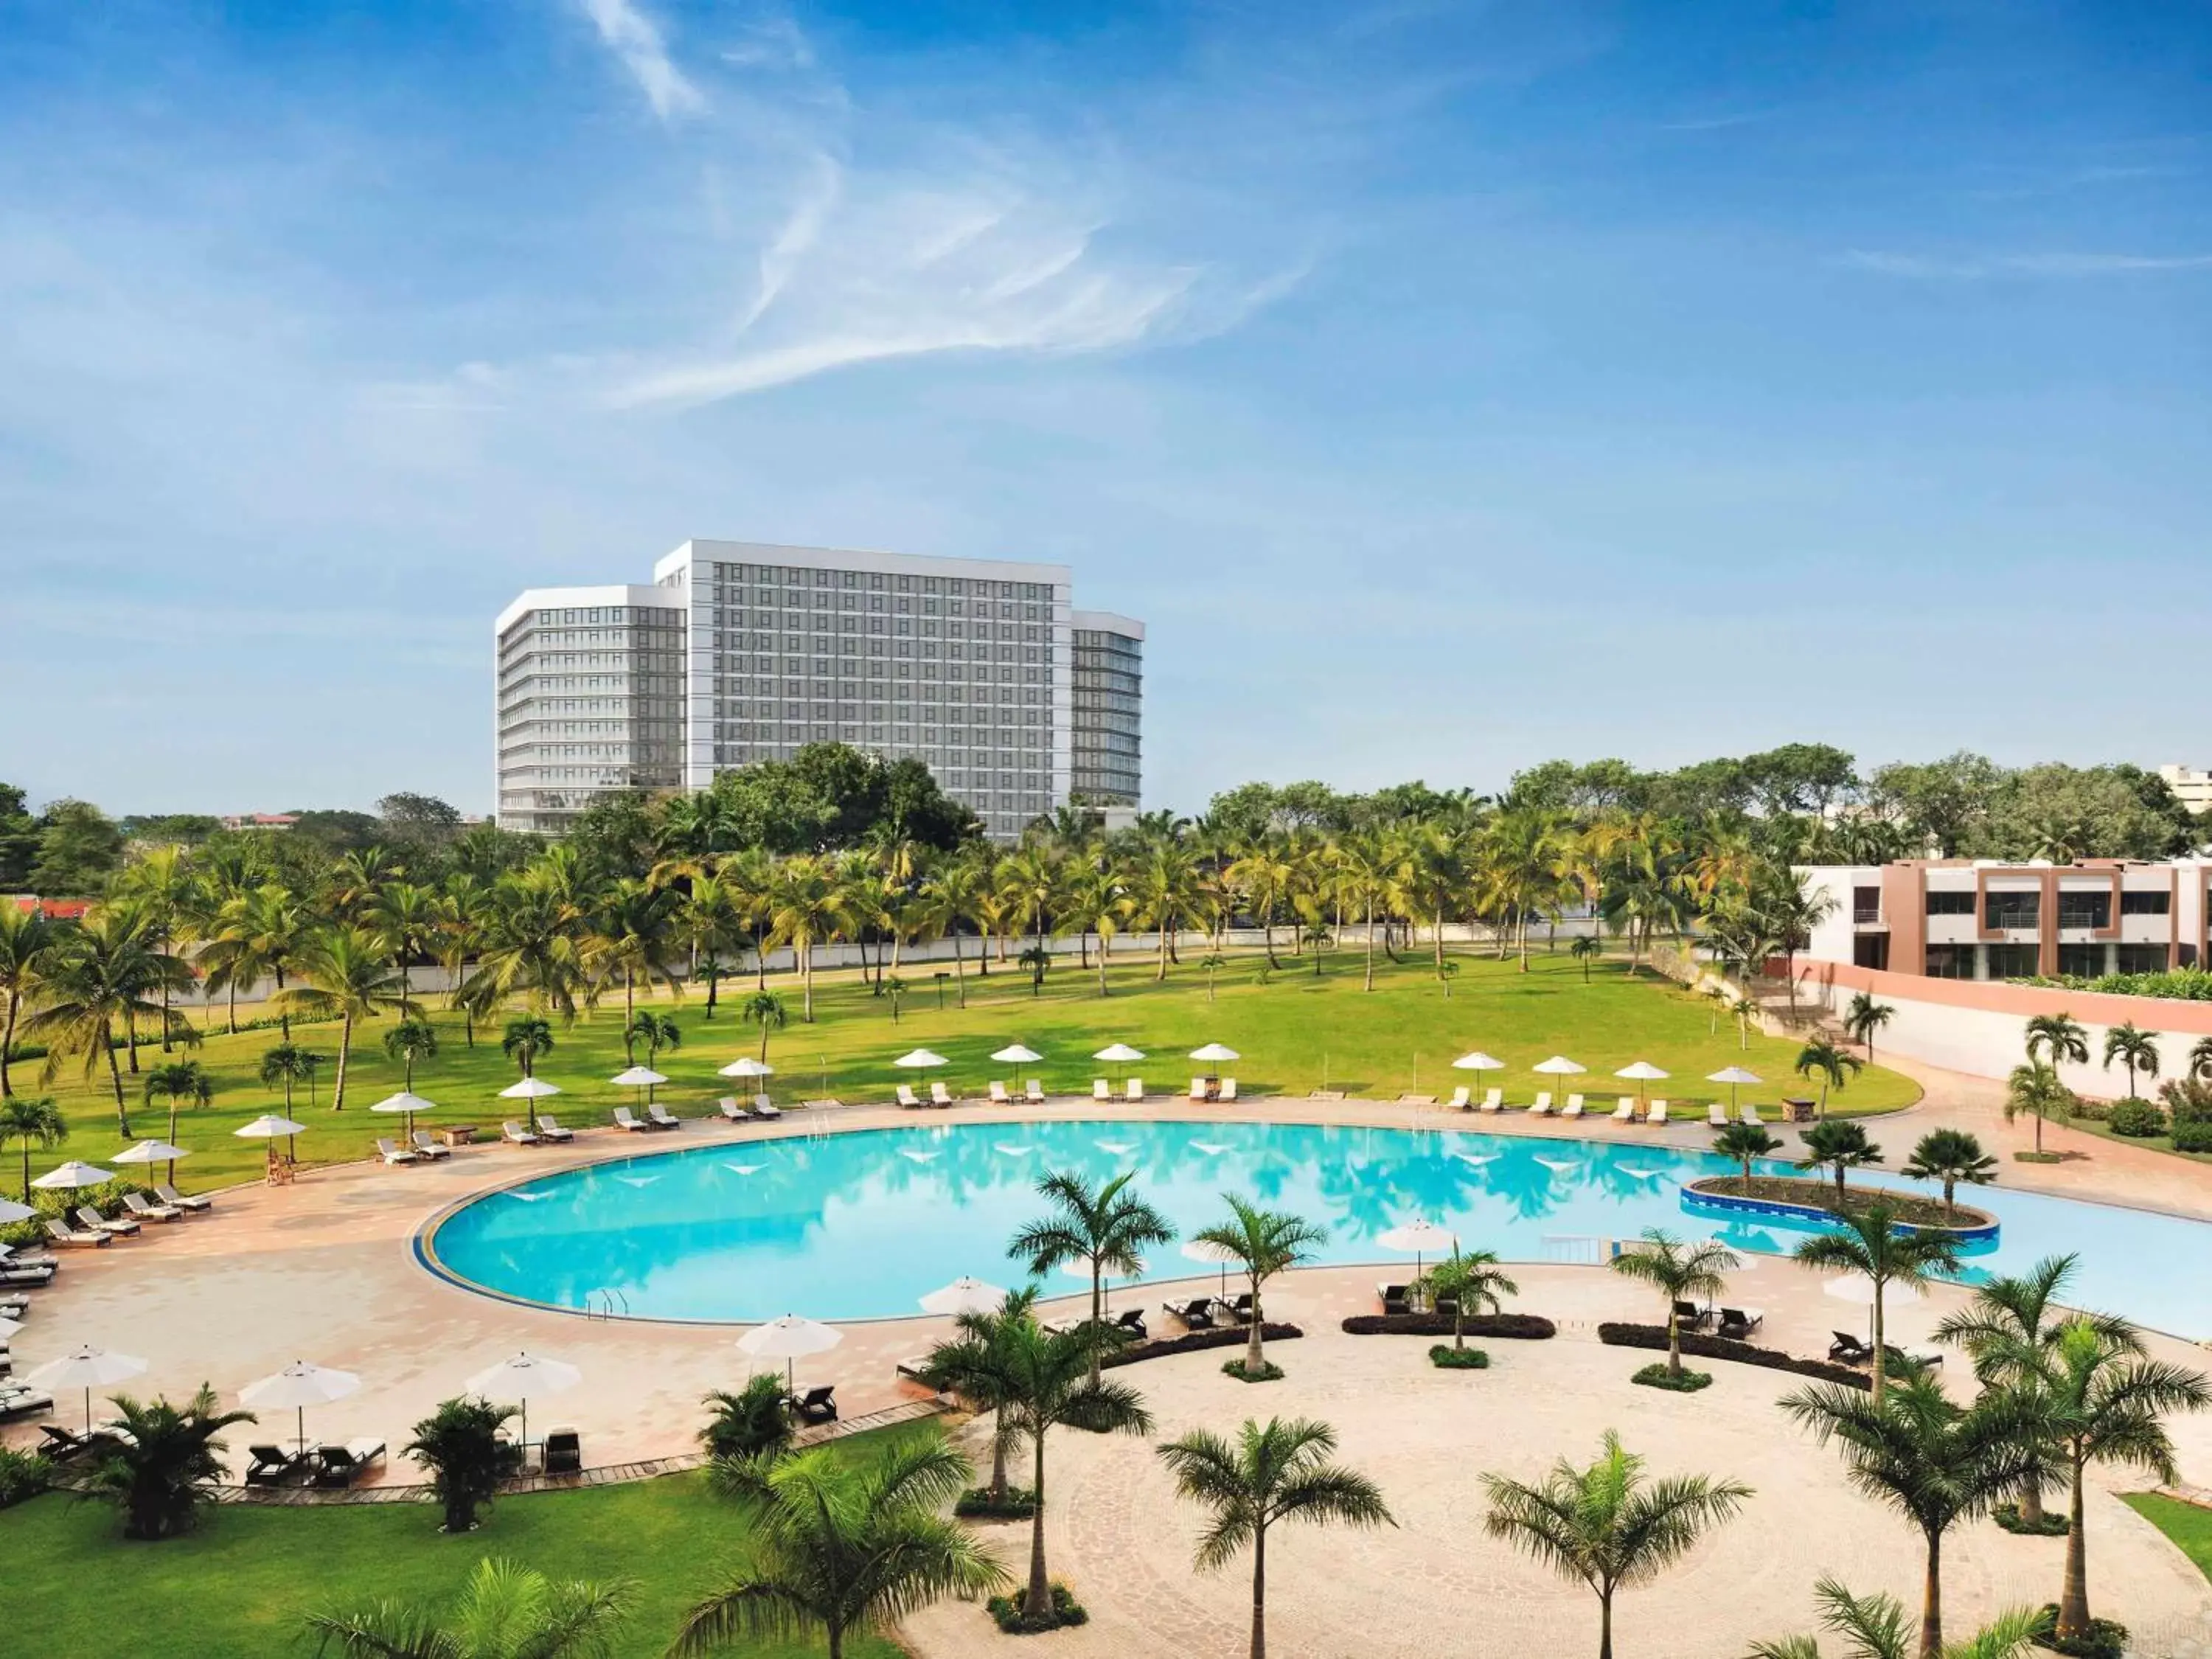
(740, 652)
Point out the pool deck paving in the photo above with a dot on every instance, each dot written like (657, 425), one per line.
(324, 1269)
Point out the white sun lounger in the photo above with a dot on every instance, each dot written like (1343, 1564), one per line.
(727, 1105)
(1626, 1111)
(515, 1133)
(392, 1154)
(1459, 1099)
(550, 1129)
(1573, 1108)
(1716, 1114)
(764, 1108)
(1748, 1113)
(660, 1118)
(906, 1097)
(1542, 1106)
(999, 1094)
(169, 1194)
(1100, 1090)
(1494, 1100)
(136, 1204)
(1197, 1088)
(62, 1233)
(1035, 1092)
(431, 1149)
(1136, 1088)
(1657, 1113)
(939, 1095)
(1228, 1089)
(628, 1120)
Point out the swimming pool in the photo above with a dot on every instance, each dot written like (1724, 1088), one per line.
(857, 1226)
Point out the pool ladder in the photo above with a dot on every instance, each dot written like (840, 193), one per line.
(595, 1309)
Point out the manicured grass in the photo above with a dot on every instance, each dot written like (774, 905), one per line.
(242, 1583)
(1298, 1032)
(2104, 1132)
(2188, 1526)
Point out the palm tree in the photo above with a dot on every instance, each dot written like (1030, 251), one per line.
(26, 939)
(179, 1080)
(29, 1123)
(2057, 1039)
(973, 1365)
(1275, 1472)
(1264, 876)
(631, 935)
(530, 940)
(346, 975)
(753, 1422)
(506, 1611)
(953, 889)
(1934, 1461)
(96, 980)
(1951, 1156)
(807, 905)
(765, 1009)
(1107, 1228)
(1605, 1526)
(711, 921)
(2035, 1089)
(166, 1464)
(1876, 1629)
(461, 911)
(410, 1041)
(408, 919)
(1266, 1242)
(1746, 1142)
(1474, 1282)
(1048, 1380)
(1098, 903)
(841, 1543)
(656, 1031)
(2135, 1048)
(1841, 1146)
(1212, 963)
(1586, 948)
(1870, 1244)
(1864, 1016)
(164, 887)
(460, 1444)
(287, 1063)
(1680, 1273)
(2200, 1060)
(1834, 1067)
(525, 1038)
(1163, 888)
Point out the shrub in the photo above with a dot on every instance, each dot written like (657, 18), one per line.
(2189, 1105)
(2192, 1137)
(1659, 1377)
(1066, 1610)
(976, 1503)
(2106, 1639)
(1269, 1371)
(2137, 1118)
(1195, 1342)
(1698, 1346)
(750, 1422)
(2097, 1111)
(165, 1468)
(460, 1445)
(22, 1474)
(1446, 1358)
(2007, 1515)
(1515, 1326)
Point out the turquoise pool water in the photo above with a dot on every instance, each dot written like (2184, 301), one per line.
(858, 1225)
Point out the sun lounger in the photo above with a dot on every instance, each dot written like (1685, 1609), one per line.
(1238, 1308)
(905, 1095)
(916, 1369)
(1738, 1323)
(63, 1234)
(1196, 1315)
(36, 1276)
(1136, 1090)
(1100, 1090)
(17, 1257)
(1541, 1107)
(940, 1096)
(998, 1092)
(727, 1105)
(1748, 1113)
(169, 1194)
(1197, 1089)
(816, 1405)
(23, 1402)
(1626, 1111)
(272, 1466)
(515, 1133)
(548, 1128)
(341, 1466)
(1393, 1297)
(563, 1451)
(1573, 1108)
(1692, 1316)
(395, 1154)
(1848, 1349)
(136, 1204)
(624, 1118)
(1228, 1089)
(764, 1108)
(1494, 1100)
(1460, 1100)
(1716, 1114)
(431, 1149)
(1131, 1321)
(1036, 1093)
(86, 1215)
(661, 1118)
(1920, 1353)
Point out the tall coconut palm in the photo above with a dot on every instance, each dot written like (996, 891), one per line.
(163, 886)
(259, 934)
(357, 881)
(1165, 888)
(1097, 901)
(346, 975)
(31, 1120)
(462, 908)
(1473, 1283)
(97, 979)
(1864, 1016)
(1951, 1156)
(1107, 1228)
(2057, 1039)
(806, 906)
(179, 1081)
(973, 1366)
(630, 936)
(841, 1543)
(407, 919)
(1275, 1472)
(765, 1009)
(711, 921)
(1264, 876)
(1934, 1461)
(530, 943)
(952, 891)
(1876, 1627)
(1869, 1242)
(26, 938)
(408, 1042)
(2036, 1089)
(506, 1611)
(1679, 1272)
(287, 1063)
(2133, 1047)
(525, 1038)
(1605, 1525)
(1821, 1058)
(1264, 1242)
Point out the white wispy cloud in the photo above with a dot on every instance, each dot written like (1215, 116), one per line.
(636, 39)
(1982, 267)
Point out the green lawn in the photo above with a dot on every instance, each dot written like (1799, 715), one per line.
(2104, 1132)
(73, 1589)
(1296, 1031)
(2188, 1526)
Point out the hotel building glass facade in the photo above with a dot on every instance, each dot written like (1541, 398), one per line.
(1107, 653)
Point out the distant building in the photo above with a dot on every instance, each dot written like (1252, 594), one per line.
(259, 820)
(2192, 788)
(741, 652)
(1962, 919)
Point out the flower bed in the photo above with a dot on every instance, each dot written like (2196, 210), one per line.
(1814, 1200)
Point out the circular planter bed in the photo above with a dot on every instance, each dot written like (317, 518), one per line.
(1786, 1198)
(1269, 1371)
(976, 1504)
(1446, 1358)
(2008, 1516)
(1008, 1612)
(1658, 1376)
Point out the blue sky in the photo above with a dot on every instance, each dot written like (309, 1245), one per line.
(1450, 387)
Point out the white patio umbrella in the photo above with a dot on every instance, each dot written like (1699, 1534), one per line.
(530, 1088)
(1558, 1066)
(74, 1174)
(1478, 1061)
(11, 1211)
(1733, 1075)
(746, 1066)
(965, 1295)
(1643, 1071)
(268, 1127)
(1418, 1238)
(1202, 1250)
(638, 1077)
(1119, 1053)
(523, 1374)
(300, 1384)
(789, 1338)
(921, 1059)
(1214, 1055)
(87, 1368)
(1017, 1055)
(408, 1103)
(152, 1151)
